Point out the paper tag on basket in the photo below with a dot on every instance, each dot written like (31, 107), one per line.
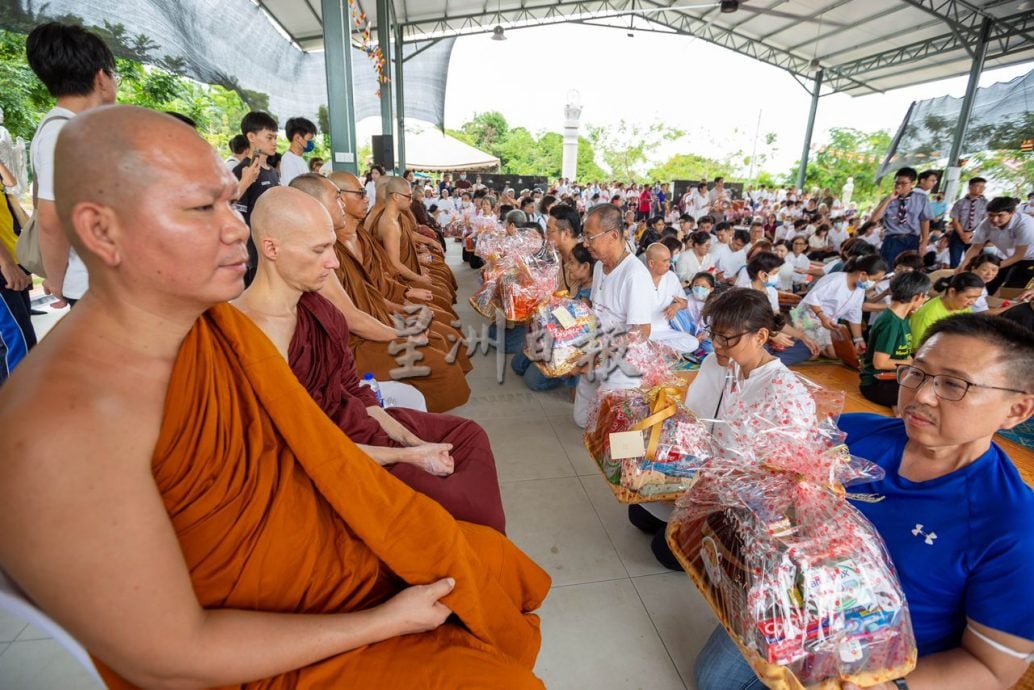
(564, 317)
(626, 444)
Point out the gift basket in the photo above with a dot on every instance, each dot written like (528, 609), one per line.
(526, 283)
(486, 300)
(562, 327)
(799, 578)
(668, 443)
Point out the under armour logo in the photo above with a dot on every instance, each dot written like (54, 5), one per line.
(918, 531)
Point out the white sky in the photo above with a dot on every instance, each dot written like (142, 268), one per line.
(675, 79)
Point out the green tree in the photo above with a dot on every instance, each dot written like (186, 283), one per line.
(687, 166)
(628, 149)
(850, 153)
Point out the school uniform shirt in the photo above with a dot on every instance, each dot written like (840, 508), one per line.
(1019, 231)
(889, 334)
(962, 544)
(743, 408)
(904, 214)
(621, 299)
(837, 301)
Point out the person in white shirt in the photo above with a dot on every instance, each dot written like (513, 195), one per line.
(696, 259)
(728, 263)
(838, 235)
(300, 133)
(1012, 234)
(740, 391)
(838, 296)
(799, 259)
(371, 185)
(238, 146)
(668, 299)
(699, 202)
(78, 70)
(621, 297)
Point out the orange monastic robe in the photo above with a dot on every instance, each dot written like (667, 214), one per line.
(277, 510)
(446, 386)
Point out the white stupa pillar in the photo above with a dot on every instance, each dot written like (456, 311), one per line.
(572, 113)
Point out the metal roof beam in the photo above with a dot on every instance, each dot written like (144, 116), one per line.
(807, 18)
(1008, 36)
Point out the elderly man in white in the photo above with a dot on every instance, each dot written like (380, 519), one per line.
(668, 299)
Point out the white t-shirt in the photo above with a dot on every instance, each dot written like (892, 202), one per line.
(742, 279)
(1019, 231)
(688, 264)
(663, 294)
(730, 262)
(772, 394)
(231, 163)
(291, 166)
(773, 298)
(800, 264)
(622, 298)
(838, 236)
(836, 300)
(786, 275)
(77, 280)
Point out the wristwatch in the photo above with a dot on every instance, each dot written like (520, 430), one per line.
(900, 683)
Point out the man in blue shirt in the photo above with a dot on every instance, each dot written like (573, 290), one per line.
(955, 514)
(906, 216)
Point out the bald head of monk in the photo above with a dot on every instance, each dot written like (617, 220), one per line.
(395, 191)
(658, 259)
(353, 194)
(147, 204)
(295, 239)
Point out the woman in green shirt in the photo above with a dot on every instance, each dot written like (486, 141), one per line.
(890, 338)
(960, 292)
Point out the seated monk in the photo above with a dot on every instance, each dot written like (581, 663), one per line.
(175, 499)
(372, 256)
(444, 386)
(444, 457)
(391, 224)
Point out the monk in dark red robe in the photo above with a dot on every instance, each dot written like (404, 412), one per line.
(320, 358)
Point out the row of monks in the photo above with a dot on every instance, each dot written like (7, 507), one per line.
(195, 483)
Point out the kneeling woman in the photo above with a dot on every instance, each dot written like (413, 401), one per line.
(741, 386)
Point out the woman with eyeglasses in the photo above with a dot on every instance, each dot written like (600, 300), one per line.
(739, 391)
(960, 293)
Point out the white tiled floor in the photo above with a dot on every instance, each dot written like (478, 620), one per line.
(614, 619)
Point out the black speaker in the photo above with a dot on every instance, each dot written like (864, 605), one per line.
(384, 152)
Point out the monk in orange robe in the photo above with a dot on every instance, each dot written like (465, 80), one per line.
(391, 224)
(442, 383)
(175, 499)
(375, 262)
(446, 458)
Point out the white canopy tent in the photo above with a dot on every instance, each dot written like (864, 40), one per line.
(428, 148)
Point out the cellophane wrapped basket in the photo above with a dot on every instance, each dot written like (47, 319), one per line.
(675, 442)
(528, 282)
(561, 347)
(800, 579)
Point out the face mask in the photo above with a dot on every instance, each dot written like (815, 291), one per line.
(866, 284)
(310, 145)
(772, 282)
(701, 293)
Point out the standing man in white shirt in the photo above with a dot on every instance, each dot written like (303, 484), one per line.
(1012, 233)
(300, 133)
(622, 293)
(78, 70)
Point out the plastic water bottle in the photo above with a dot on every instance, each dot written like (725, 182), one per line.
(370, 382)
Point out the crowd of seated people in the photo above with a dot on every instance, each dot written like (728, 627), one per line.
(242, 507)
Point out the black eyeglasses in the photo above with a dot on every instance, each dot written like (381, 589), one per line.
(361, 192)
(727, 341)
(945, 387)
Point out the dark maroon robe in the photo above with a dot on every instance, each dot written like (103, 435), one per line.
(321, 359)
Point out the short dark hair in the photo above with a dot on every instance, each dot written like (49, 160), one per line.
(567, 218)
(257, 121)
(704, 275)
(868, 263)
(67, 57)
(976, 180)
(580, 254)
(700, 237)
(705, 219)
(905, 286)
(740, 309)
(741, 235)
(238, 144)
(981, 259)
(672, 243)
(1002, 204)
(763, 262)
(724, 225)
(299, 125)
(929, 173)
(1015, 346)
(910, 173)
(910, 258)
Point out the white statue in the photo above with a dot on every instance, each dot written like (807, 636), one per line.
(848, 190)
